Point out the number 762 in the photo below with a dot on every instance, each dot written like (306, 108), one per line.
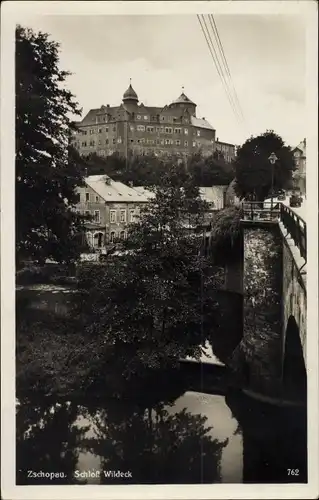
(293, 472)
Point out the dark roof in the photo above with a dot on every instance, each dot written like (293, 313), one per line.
(182, 99)
(130, 94)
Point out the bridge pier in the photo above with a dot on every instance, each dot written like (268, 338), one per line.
(257, 360)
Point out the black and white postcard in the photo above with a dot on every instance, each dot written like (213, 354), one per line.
(159, 250)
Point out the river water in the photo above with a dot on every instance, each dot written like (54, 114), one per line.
(185, 435)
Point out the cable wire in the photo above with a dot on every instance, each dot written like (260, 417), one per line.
(224, 59)
(218, 66)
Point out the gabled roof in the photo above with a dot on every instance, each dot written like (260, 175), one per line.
(201, 123)
(114, 191)
(302, 146)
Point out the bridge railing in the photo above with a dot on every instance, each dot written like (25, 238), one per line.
(260, 210)
(264, 211)
(296, 227)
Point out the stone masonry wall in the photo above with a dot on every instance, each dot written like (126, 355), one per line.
(258, 356)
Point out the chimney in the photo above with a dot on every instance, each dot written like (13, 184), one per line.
(203, 118)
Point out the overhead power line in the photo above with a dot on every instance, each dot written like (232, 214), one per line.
(224, 59)
(221, 67)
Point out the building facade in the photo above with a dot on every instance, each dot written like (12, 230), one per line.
(112, 206)
(300, 157)
(227, 150)
(133, 128)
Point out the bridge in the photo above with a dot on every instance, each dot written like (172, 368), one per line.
(270, 360)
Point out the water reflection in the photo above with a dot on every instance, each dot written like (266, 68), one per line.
(188, 441)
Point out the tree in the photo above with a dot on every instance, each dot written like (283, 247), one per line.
(47, 171)
(211, 170)
(253, 169)
(154, 305)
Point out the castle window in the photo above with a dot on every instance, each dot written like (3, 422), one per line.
(84, 143)
(92, 143)
(158, 141)
(114, 129)
(186, 131)
(194, 144)
(177, 130)
(132, 140)
(113, 141)
(140, 128)
(91, 131)
(84, 132)
(163, 118)
(158, 129)
(107, 141)
(99, 143)
(119, 140)
(122, 235)
(100, 131)
(132, 128)
(150, 129)
(185, 143)
(145, 117)
(106, 129)
(198, 133)
(167, 141)
(138, 117)
(112, 236)
(178, 142)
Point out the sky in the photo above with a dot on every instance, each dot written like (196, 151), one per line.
(163, 53)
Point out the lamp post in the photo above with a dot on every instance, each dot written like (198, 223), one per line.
(272, 159)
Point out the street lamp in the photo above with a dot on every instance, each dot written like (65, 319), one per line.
(272, 159)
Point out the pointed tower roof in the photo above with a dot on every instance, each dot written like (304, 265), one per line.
(130, 94)
(183, 99)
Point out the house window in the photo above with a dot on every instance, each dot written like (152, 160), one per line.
(87, 196)
(138, 117)
(198, 133)
(132, 215)
(87, 212)
(112, 236)
(185, 143)
(122, 235)
(178, 142)
(96, 215)
(123, 216)
(96, 199)
(112, 216)
(186, 131)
